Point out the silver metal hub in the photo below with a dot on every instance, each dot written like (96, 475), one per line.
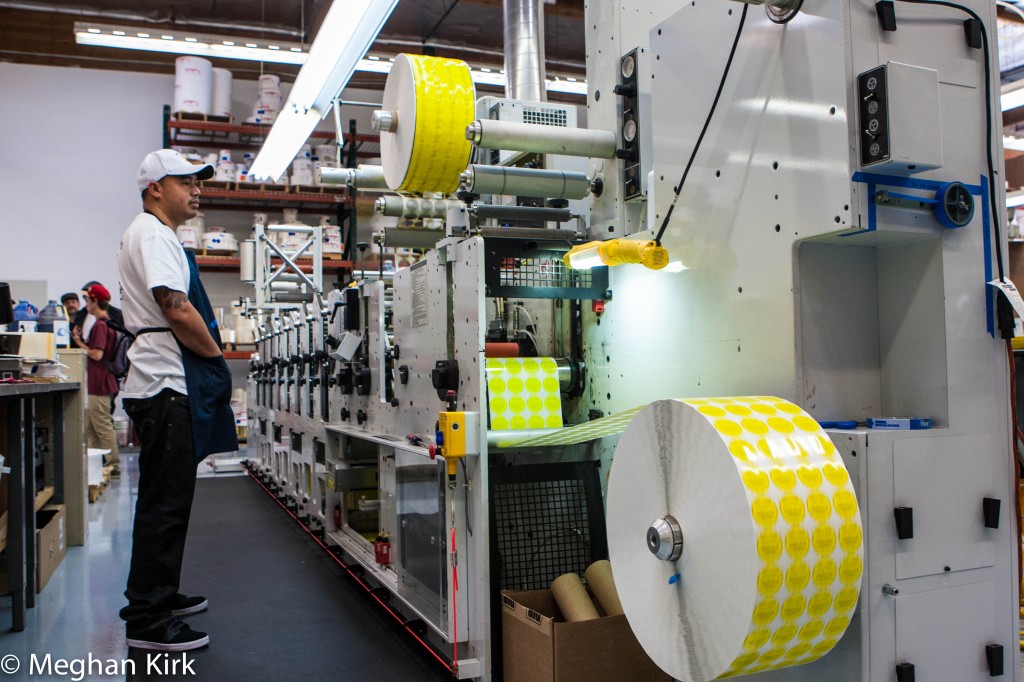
(665, 539)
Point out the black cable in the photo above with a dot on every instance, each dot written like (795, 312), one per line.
(707, 122)
(992, 198)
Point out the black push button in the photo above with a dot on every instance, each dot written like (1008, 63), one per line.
(994, 655)
(905, 672)
(972, 31)
(886, 11)
(990, 507)
(904, 522)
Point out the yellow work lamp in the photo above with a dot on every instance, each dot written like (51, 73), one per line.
(616, 252)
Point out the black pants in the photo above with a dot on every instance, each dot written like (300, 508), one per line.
(167, 483)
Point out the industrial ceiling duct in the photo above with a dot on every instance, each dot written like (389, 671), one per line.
(524, 50)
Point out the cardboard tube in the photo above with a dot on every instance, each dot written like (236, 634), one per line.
(572, 598)
(600, 582)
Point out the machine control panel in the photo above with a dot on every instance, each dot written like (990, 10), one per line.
(873, 95)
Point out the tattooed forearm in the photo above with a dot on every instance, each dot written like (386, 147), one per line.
(169, 298)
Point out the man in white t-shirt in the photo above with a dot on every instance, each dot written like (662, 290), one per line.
(155, 279)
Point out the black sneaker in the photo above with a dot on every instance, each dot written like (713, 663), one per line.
(186, 606)
(173, 635)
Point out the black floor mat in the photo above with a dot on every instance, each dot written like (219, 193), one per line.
(280, 608)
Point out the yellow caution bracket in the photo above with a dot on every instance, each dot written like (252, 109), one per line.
(460, 436)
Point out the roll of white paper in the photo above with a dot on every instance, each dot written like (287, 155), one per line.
(193, 85)
(221, 92)
(758, 504)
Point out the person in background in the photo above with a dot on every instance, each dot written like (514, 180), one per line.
(71, 304)
(83, 321)
(178, 394)
(102, 384)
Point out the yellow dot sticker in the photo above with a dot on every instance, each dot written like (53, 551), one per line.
(756, 481)
(784, 478)
(810, 630)
(769, 546)
(785, 634)
(499, 405)
(743, 660)
(846, 504)
(765, 611)
(551, 385)
(845, 599)
(797, 542)
(536, 405)
(788, 408)
(780, 424)
(769, 580)
(764, 511)
(518, 423)
(819, 604)
(761, 408)
(793, 607)
(823, 647)
(773, 654)
(742, 450)
(809, 476)
(792, 509)
(516, 385)
(850, 537)
(850, 570)
(835, 474)
(553, 421)
(823, 539)
(819, 507)
(513, 367)
(727, 427)
(533, 385)
(805, 424)
(757, 639)
(711, 411)
(531, 366)
(755, 426)
(797, 577)
(536, 421)
(798, 651)
(824, 573)
(517, 404)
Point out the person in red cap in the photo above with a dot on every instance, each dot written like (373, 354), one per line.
(99, 424)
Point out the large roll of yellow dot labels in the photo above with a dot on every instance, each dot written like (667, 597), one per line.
(769, 536)
(523, 393)
(432, 100)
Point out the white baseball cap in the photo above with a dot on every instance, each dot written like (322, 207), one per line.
(161, 163)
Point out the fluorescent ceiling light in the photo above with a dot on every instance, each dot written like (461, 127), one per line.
(345, 35)
(199, 44)
(1012, 95)
(226, 47)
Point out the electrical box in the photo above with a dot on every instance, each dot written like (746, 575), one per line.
(900, 126)
(521, 111)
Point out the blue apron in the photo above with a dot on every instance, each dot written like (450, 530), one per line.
(208, 381)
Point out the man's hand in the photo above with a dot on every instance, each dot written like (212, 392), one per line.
(186, 322)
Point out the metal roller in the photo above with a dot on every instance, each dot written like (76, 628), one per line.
(525, 182)
(412, 207)
(541, 139)
(554, 215)
(366, 178)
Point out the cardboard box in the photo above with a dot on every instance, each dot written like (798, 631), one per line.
(539, 645)
(50, 542)
(51, 546)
